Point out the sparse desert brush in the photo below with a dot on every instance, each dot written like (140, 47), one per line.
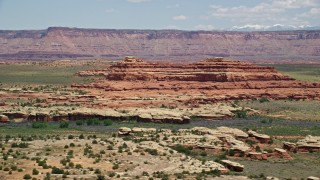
(107, 122)
(27, 176)
(64, 124)
(39, 125)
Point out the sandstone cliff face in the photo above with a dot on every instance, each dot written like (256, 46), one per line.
(208, 81)
(158, 44)
(210, 69)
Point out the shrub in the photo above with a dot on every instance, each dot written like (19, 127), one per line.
(182, 149)
(64, 124)
(153, 152)
(35, 171)
(38, 125)
(221, 157)
(89, 122)
(264, 99)
(79, 122)
(97, 171)
(6, 169)
(27, 176)
(203, 153)
(250, 142)
(101, 177)
(231, 152)
(112, 174)
(70, 136)
(110, 147)
(20, 145)
(56, 170)
(47, 177)
(107, 122)
(241, 114)
(115, 166)
(258, 149)
(14, 167)
(96, 121)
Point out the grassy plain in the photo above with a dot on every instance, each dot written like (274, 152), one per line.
(304, 72)
(37, 74)
(308, 110)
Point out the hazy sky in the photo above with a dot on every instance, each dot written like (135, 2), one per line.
(157, 14)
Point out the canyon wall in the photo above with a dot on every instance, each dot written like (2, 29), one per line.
(73, 43)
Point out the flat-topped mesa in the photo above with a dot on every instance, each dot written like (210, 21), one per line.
(211, 69)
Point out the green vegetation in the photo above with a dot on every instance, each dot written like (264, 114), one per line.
(64, 124)
(302, 166)
(153, 152)
(35, 171)
(20, 145)
(182, 149)
(287, 109)
(38, 125)
(289, 130)
(305, 72)
(27, 176)
(93, 122)
(56, 170)
(241, 114)
(41, 74)
(107, 122)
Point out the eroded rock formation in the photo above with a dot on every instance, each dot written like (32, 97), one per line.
(207, 81)
(308, 144)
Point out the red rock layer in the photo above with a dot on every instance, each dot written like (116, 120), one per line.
(211, 69)
(210, 80)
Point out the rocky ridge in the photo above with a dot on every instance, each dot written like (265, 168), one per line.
(61, 43)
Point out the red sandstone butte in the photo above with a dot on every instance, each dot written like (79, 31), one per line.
(207, 81)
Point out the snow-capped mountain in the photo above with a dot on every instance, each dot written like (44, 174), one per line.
(276, 27)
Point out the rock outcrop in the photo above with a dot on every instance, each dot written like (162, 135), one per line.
(234, 166)
(308, 144)
(212, 141)
(261, 138)
(4, 119)
(282, 153)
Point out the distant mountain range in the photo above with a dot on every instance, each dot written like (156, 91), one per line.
(75, 43)
(276, 27)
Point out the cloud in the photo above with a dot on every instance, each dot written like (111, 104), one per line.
(138, 1)
(180, 18)
(267, 13)
(204, 27)
(315, 11)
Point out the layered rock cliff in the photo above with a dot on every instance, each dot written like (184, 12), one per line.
(58, 42)
(203, 82)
